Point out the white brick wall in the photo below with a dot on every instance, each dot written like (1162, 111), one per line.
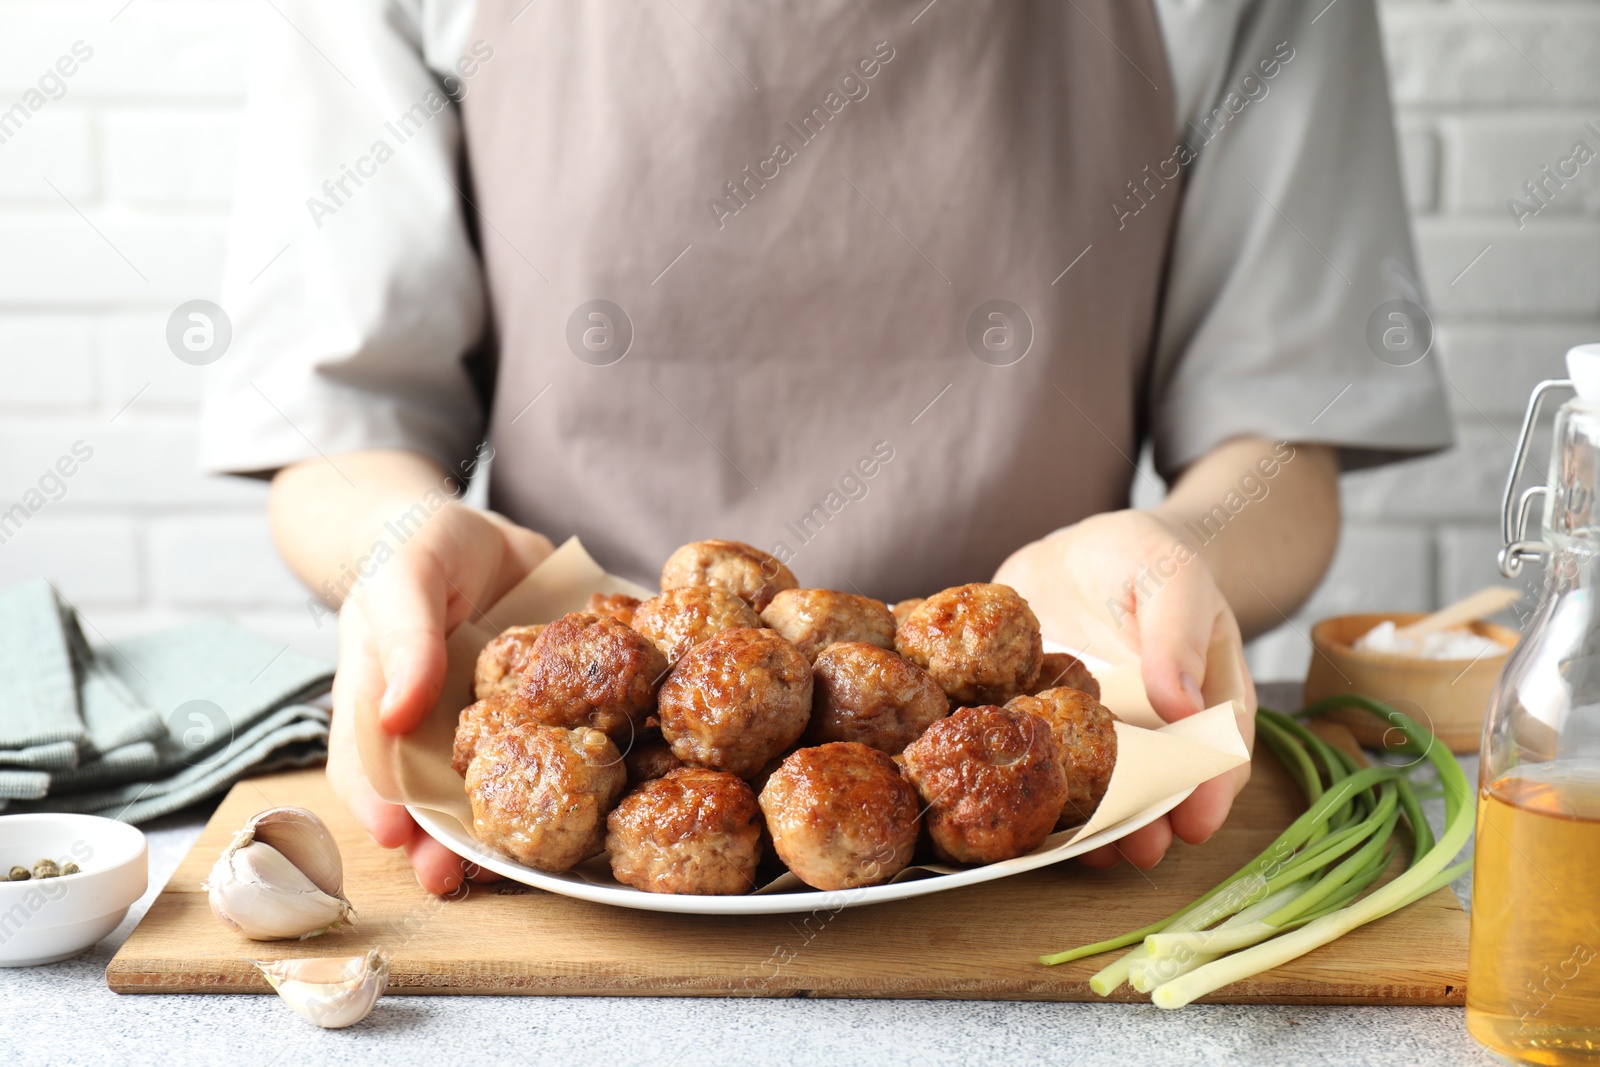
(1486, 94)
(143, 143)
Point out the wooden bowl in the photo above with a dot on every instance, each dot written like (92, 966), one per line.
(1449, 696)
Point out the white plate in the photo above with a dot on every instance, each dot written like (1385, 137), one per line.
(450, 833)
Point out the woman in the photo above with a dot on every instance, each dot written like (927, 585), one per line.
(894, 290)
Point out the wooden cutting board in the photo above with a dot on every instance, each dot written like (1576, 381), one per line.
(977, 943)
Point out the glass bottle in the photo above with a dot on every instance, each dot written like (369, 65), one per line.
(1533, 985)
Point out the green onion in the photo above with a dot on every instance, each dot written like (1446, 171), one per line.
(1306, 888)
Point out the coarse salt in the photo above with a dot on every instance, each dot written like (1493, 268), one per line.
(1440, 644)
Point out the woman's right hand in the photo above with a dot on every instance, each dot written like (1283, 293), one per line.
(392, 631)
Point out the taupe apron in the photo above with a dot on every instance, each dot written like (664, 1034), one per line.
(756, 272)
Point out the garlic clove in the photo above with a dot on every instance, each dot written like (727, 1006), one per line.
(305, 840)
(330, 992)
(280, 877)
(257, 891)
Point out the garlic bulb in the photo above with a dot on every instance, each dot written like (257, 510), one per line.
(332, 993)
(280, 877)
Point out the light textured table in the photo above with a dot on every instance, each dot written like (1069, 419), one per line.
(64, 1014)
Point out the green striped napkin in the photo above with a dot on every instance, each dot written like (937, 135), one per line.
(142, 727)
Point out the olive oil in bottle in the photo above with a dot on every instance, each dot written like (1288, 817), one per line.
(1533, 979)
(1533, 995)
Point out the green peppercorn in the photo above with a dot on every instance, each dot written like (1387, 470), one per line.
(69, 868)
(46, 869)
(19, 874)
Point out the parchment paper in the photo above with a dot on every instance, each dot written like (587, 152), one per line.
(1154, 760)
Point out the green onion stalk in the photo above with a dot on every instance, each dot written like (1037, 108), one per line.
(1306, 888)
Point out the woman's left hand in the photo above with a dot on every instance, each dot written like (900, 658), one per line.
(1124, 584)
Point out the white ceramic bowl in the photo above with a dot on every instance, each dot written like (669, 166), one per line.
(51, 919)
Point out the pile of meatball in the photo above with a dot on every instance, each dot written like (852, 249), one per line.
(737, 720)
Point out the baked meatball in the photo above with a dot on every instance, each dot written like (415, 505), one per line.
(649, 757)
(992, 782)
(1086, 737)
(743, 569)
(540, 793)
(736, 700)
(619, 606)
(589, 670)
(813, 619)
(841, 816)
(481, 720)
(689, 831)
(1061, 669)
(868, 694)
(681, 618)
(901, 608)
(980, 642)
(503, 660)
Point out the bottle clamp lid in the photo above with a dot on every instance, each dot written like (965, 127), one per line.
(1583, 367)
(1516, 510)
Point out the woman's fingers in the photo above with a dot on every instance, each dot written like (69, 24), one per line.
(1177, 630)
(1143, 848)
(1197, 818)
(463, 562)
(1192, 822)
(390, 825)
(392, 654)
(1103, 858)
(1204, 812)
(438, 870)
(1176, 624)
(1149, 592)
(359, 678)
(525, 549)
(405, 612)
